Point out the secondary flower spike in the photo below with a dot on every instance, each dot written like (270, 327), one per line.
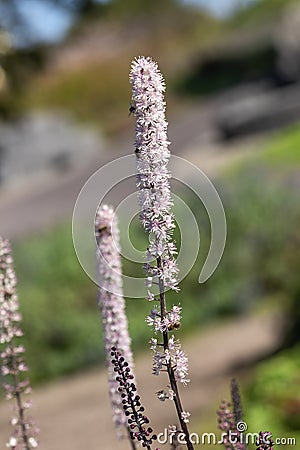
(13, 367)
(138, 422)
(227, 424)
(112, 304)
(153, 177)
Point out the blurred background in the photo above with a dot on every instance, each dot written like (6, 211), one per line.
(232, 70)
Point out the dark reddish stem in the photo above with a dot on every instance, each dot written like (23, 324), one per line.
(170, 370)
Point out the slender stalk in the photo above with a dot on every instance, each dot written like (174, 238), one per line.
(170, 370)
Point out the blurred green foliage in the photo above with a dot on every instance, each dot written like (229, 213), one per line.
(58, 304)
(95, 88)
(259, 12)
(19, 68)
(194, 47)
(283, 149)
(95, 93)
(272, 400)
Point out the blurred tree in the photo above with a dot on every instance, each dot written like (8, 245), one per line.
(22, 21)
(13, 20)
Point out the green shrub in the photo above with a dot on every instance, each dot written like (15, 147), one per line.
(273, 399)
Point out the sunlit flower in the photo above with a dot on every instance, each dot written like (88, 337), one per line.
(185, 416)
(153, 183)
(153, 177)
(175, 355)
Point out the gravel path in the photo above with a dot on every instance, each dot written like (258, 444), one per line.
(74, 413)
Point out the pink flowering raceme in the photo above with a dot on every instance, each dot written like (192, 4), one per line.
(153, 177)
(112, 304)
(13, 367)
(153, 183)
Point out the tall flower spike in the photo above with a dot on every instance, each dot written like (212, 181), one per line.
(151, 144)
(112, 304)
(153, 183)
(13, 367)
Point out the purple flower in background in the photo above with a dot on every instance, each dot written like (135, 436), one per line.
(264, 441)
(227, 425)
(13, 366)
(230, 422)
(112, 304)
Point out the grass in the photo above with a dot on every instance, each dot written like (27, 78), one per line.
(283, 149)
(280, 152)
(272, 399)
(259, 12)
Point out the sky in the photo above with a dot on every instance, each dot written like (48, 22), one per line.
(220, 8)
(49, 23)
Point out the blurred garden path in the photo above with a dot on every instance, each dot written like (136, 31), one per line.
(49, 198)
(74, 413)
